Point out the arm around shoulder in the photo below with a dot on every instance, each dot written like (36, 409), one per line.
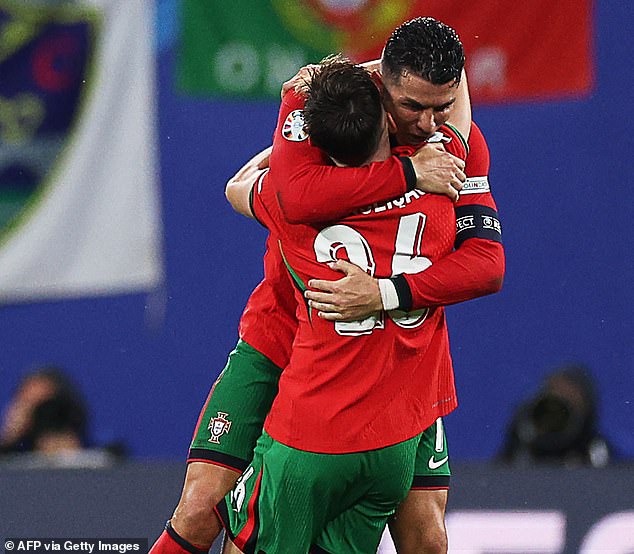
(238, 188)
(461, 116)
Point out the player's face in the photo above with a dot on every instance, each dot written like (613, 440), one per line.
(417, 107)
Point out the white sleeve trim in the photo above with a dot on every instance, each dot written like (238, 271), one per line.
(389, 297)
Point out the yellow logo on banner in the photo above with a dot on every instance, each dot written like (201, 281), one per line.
(353, 25)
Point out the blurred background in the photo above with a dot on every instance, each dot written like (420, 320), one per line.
(122, 263)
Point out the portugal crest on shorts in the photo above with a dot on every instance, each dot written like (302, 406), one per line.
(293, 128)
(218, 426)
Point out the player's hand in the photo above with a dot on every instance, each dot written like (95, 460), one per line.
(351, 298)
(438, 171)
(301, 79)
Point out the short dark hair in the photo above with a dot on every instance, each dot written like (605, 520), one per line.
(343, 113)
(426, 48)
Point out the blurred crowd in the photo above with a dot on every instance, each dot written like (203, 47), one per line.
(46, 423)
(559, 425)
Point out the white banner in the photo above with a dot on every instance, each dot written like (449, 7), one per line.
(92, 225)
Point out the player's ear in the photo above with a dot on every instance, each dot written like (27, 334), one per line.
(391, 125)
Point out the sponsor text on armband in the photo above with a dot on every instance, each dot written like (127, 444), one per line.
(476, 185)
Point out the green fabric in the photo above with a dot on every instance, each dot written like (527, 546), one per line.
(341, 502)
(248, 49)
(432, 457)
(243, 392)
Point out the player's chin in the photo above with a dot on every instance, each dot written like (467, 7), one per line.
(415, 139)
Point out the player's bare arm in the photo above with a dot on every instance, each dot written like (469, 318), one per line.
(460, 117)
(238, 188)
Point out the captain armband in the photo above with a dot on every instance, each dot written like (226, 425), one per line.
(476, 221)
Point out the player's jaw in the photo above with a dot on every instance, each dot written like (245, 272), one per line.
(417, 108)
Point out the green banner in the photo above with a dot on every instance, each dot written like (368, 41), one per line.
(248, 48)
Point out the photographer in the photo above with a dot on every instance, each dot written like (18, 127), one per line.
(559, 425)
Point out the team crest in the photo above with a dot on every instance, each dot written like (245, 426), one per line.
(293, 128)
(44, 66)
(218, 426)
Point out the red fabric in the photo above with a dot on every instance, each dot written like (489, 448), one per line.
(318, 191)
(537, 49)
(477, 267)
(167, 545)
(268, 322)
(345, 389)
(246, 532)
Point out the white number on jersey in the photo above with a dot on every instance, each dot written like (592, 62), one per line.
(407, 258)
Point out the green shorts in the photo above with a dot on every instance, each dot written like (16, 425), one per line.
(289, 500)
(431, 469)
(232, 418)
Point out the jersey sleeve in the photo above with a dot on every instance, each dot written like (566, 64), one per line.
(263, 203)
(476, 267)
(311, 189)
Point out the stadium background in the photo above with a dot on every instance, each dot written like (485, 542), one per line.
(560, 173)
(560, 168)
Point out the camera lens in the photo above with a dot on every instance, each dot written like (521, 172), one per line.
(551, 415)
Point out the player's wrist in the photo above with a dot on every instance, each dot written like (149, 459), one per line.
(403, 292)
(389, 296)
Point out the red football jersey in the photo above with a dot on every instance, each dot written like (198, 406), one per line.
(476, 267)
(268, 322)
(319, 193)
(363, 385)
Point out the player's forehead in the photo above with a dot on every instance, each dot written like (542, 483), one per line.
(410, 88)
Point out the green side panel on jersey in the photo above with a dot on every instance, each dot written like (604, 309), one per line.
(297, 280)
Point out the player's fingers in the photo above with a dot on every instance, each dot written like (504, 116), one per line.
(456, 184)
(459, 162)
(318, 295)
(436, 146)
(322, 307)
(288, 85)
(330, 316)
(452, 193)
(461, 175)
(344, 266)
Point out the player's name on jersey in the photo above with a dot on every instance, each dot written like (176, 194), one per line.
(399, 202)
